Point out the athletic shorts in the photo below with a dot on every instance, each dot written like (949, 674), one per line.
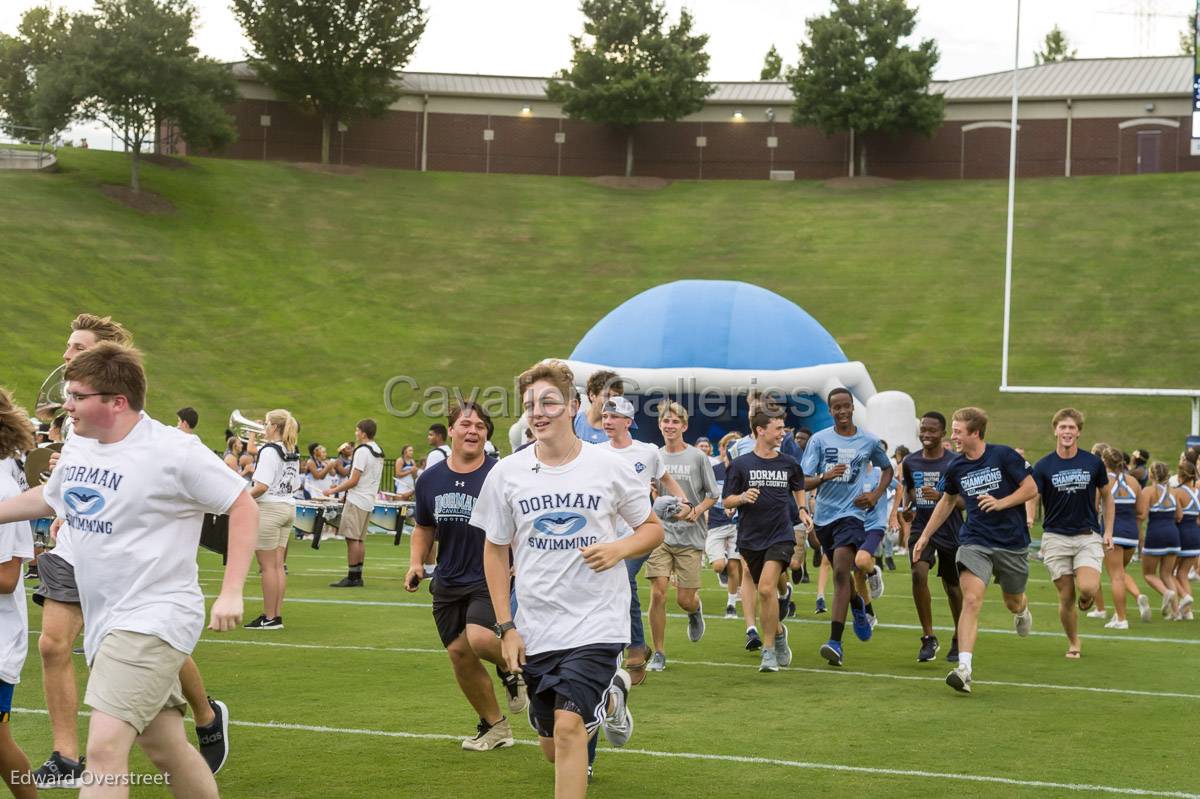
(56, 580)
(947, 568)
(1066, 554)
(1009, 566)
(847, 531)
(872, 540)
(354, 522)
(721, 543)
(134, 677)
(275, 523)
(6, 697)
(755, 559)
(576, 680)
(683, 562)
(456, 606)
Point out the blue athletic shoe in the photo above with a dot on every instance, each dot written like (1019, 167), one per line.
(832, 652)
(862, 624)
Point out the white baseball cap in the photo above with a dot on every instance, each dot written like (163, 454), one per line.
(620, 406)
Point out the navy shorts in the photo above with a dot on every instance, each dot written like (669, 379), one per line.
(873, 539)
(576, 680)
(6, 696)
(847, 531)
(456, 606)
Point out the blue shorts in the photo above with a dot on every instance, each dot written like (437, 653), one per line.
(847, 531)
(576, 680)
(6, 695)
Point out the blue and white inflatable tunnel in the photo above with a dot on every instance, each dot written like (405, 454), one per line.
(708, 343)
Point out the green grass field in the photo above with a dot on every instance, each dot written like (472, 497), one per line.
(355, 698)
(274, 285)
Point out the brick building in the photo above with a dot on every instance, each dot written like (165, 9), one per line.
(1085, 117)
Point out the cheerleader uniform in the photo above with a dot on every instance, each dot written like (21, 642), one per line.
(1125, 525)
(1189, 526)
(1162, 533)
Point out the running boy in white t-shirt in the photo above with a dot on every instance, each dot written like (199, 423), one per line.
(556, 508)
(134, 493)
(16, 547)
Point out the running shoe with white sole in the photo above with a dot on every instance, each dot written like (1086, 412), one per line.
(929, 649)
(960, 679)
(769, 662)
(695, 626)
(618, 722)
(489, 736)
(60, 772)
(1116, 624)
(753, 642)
(214, 736)
(1143, 603)
(862, 624)
(658, 662)
(784, 601)
(1096, 613)
(821, 607)
(731, 611)
(831, 650)
(1168, 598)
(875, 582)
(783, 652)
(514, 687)
(1023, 621)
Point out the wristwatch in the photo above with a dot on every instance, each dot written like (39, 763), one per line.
(502, 628)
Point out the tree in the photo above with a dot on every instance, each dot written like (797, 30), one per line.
(1187, 37)
(335, 57)
(772, 68)
(41, 37)
(1054, 48)
(629, 68)
(130, 66)
(854, 74)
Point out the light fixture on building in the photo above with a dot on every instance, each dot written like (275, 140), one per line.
(1149, 107)
(738, 116)
(526, 110)
(770, 114)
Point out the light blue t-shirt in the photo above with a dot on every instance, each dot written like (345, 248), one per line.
(589, 434)
(835, 498)
(877, 519)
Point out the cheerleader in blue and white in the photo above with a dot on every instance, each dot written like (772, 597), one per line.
(1126, 539)
(319, 471)
(1160, 506)
(1189, 538)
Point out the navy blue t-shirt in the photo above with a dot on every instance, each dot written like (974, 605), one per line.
(1068, 487)
(717, 516)
(444, 500)
(999, 472)
(768, 520)
(919, 472)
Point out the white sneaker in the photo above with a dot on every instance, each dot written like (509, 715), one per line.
(1096, 613)
(960, 679)
(1117, 624)
(497, 736)
(618, 724)
(1187, 615)
(1168, 598)
(875, 582)
(1023, 622)
(1185, 603)
(1143, 603)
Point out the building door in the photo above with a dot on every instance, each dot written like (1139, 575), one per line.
(1148, 150)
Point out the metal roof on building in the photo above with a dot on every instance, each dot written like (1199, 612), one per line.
(1097, 77)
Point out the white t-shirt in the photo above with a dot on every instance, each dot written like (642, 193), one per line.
(279, 476)
(437, 455)
(16, 541)
(371, 465)
(645, 459)
(548, 514)
(316, 487)
(135, 508)
(407, 483)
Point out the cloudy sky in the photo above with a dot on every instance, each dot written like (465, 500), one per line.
(530, 37)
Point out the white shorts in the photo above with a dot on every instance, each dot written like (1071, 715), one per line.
(1066, 554)
(721, 543)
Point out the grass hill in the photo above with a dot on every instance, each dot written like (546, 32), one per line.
(276, 285)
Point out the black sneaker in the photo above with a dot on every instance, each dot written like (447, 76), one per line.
(817, 558)
(348, 582)
(952, 656)
(929, 648)
(214, 738)
(753, 642)
(787, 608)
(256, 623)
(31, 572)
(890, 562)
(797, 575)
(60, 772)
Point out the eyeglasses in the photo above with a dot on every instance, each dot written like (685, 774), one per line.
(73, 397)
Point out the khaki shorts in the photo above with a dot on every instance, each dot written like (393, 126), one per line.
(721, 543)
(354, 522)
(135, 677)
(1066, 554)
(275, 522)
(684, 563)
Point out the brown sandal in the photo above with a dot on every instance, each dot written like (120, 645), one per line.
(635, 664)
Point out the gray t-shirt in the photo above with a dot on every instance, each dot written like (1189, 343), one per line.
(692, 470)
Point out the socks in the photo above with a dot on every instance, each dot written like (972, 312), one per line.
(870, 610)
(964, 660)
(355, 572)
(856, 602)
(836, 629)
(733, 599)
